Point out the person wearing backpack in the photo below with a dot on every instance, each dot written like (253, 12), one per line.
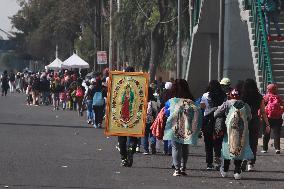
(183, 124)
(152, 111)
(274, 111)
(127, 145)
(55, 90)
(210, 100)
(79, 98)
(98, 103)
(165, 96)
(235, 144)
(89, 101)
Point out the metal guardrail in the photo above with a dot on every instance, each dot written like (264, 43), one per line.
(195, 8)
(263, 57)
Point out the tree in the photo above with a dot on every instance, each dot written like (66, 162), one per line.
(44, 24)
(147, 30)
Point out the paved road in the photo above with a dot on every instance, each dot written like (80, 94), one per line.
(41, 148)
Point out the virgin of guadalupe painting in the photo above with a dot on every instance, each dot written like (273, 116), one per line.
(126, 104)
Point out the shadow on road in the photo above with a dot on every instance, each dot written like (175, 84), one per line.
(264, 179)
(50, 186)
(44, 125)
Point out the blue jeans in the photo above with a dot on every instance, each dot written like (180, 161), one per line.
(64, 105)
(148, 135)
(274, 16)
(45, 95)
(179, 155)
(167, 147)
(90, 114)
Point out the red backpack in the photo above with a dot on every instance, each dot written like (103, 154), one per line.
(273, 108)
(79, 92)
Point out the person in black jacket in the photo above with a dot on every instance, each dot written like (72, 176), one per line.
(127, 149)
(4, 83)
(44, 89)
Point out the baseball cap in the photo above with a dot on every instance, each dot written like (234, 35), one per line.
(225, 81)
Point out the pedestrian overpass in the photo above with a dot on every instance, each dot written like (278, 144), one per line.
(247, 54)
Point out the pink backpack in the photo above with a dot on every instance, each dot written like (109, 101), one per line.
(273, 108)
(79, 92)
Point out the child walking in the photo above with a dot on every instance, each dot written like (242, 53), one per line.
(235, 144)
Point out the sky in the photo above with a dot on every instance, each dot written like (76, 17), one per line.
(7, 8)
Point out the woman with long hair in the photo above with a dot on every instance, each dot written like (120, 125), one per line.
(182, 125)
(254, 99)
(210, 100)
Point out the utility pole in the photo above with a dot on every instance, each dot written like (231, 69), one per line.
(178, 45)
(221, 40)
(118, 43)
(190, 16)
(110, 35)
(95, 37)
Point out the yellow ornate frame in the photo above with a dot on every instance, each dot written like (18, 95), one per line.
(136, 126)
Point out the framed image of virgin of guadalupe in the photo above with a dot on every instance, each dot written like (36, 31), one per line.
(126, 104)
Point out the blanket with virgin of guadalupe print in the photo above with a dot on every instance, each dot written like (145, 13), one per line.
(236, 140)
(184, 121)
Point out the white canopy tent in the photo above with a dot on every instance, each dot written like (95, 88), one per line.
(75, 61)
(57, 64)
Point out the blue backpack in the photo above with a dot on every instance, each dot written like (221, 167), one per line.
(98, 99)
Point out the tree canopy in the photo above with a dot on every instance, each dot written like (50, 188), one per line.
(145, 30)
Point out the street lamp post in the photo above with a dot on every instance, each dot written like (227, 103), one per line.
(110, 35)
(178, 45)
(221, 40)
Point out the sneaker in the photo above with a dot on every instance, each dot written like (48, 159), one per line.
(182, 172)
(210, 167)
(223, 173)
(137, 149)
(99, 125)
(244, 167)
(250, 167)
(153, 148)
(89, 121)
(124, 163)
(95, 126)
(237, 176)
(146, 153)
(130, 157)
(177, 173)
(263, 151)
(277, 151)
(117, 147)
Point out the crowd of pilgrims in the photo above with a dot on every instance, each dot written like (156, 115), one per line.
(228, 118)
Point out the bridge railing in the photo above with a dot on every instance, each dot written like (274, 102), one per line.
(195, 11)
(263, 55)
